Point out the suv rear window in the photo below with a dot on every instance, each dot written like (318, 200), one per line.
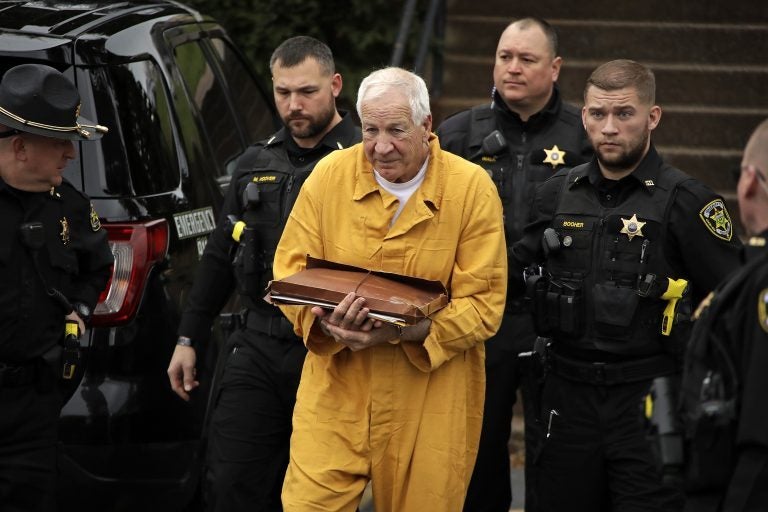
(139, 155)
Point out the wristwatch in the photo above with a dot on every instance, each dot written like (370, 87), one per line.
(184, 341)
(83, 311)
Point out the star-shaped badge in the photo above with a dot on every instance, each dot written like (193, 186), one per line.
(632, 227)
(554, 157)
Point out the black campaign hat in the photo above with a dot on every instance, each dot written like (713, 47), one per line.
(38, 99)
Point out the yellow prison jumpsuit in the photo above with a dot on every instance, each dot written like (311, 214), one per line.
(405, 415)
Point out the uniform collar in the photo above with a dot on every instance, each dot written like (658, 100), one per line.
(343, 135)
(537, 120)
(646, 173)
(53, 193)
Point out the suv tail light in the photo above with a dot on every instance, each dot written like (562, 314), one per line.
(137, 247)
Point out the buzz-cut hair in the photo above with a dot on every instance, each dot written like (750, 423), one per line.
(296, 50)
(410, 84)
(622, 73)
(549, 31)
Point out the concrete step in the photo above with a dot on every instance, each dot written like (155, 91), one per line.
(712, 85)
(711, 11)
(694, 43)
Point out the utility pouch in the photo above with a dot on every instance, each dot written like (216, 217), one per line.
(565, 309)
(614, 308)
(274, 187)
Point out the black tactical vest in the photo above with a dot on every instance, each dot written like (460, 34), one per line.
(277, 182)
(603, 257)
(520, 169)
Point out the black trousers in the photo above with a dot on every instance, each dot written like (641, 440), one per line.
(490, 488)
(597, 456)
(250, 426)
(28, 431)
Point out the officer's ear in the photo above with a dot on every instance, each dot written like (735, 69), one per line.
(20, 148)
(336, 84)
(654, 117)
(557, 62)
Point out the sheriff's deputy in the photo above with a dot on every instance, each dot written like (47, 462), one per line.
(250, 425)
(624, 240)
(54, 262)
(725, 378)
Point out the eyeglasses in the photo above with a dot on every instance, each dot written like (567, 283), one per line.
(736, 173)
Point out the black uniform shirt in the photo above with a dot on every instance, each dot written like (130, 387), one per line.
(75, 259)
(555, 130)
(215, 279)
(740, 324)
(693, 248)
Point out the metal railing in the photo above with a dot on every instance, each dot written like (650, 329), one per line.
(432, 38)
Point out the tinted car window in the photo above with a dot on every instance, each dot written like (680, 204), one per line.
(141, 133)
(256, 113)
(206, 91)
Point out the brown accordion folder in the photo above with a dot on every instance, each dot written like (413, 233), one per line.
(393, 298)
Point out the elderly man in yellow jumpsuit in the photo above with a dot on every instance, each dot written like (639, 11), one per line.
(399, 407)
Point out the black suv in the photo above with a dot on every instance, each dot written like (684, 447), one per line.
(181, 105)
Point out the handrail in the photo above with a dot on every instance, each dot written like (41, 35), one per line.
(433, 30)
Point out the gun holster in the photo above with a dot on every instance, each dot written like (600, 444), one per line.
(665, 428)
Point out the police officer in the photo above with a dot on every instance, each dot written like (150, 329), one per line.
(624, 240)
(54, 262)
(253, 403)
(725, 378)
(521, 138)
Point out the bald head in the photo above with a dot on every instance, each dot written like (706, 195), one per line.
(752, 189)
(756, 151)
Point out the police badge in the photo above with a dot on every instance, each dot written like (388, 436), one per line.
(555, 156)
(632, 227)
(718, 221)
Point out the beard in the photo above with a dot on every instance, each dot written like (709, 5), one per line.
(625, 160)
(312, 125)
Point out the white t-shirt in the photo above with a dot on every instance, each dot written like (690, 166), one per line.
(402, 191)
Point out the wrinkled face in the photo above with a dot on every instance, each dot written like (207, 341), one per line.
(305, 99)
(44, 160)
(525, 70)
(395, 146)
(619, 127)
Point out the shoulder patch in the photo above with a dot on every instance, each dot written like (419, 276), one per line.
(95, 222)
(715, 216)
(762, 309)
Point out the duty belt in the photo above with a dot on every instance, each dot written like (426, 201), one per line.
(609, 374)
(274, 326)
(13, 376)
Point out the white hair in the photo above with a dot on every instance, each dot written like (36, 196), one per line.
(410, 84)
